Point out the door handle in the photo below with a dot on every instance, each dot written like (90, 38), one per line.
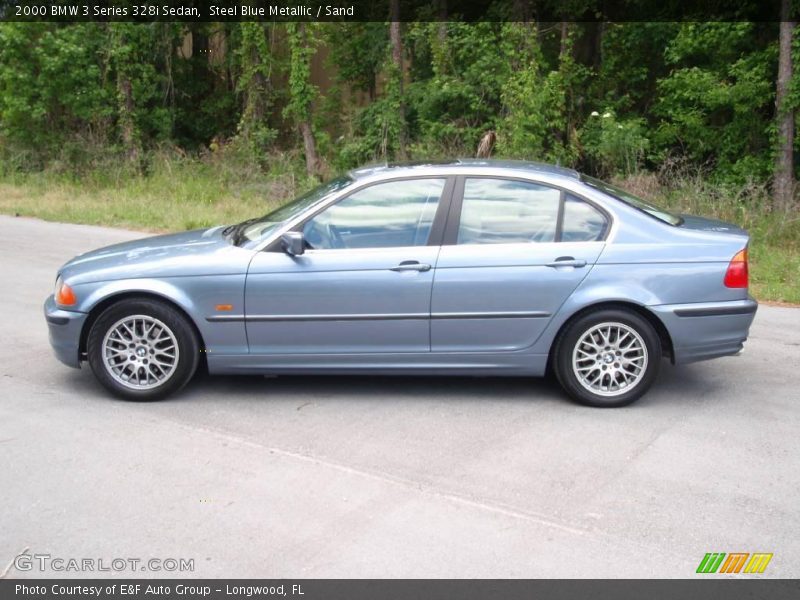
(411, 265)
(567, 261)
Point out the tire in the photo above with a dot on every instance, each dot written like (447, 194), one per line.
(607, 358)
(142, 349)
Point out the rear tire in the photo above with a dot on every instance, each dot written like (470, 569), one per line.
(142, 349)
(607, 358)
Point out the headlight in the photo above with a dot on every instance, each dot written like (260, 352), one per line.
(63, 294)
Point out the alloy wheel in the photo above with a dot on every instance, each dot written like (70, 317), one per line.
(610, 359)
(140, 352)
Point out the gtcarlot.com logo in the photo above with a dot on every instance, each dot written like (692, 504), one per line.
(46, 562)
(735, 562)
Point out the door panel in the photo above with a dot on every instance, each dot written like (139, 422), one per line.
(502, 296)
(332, 301)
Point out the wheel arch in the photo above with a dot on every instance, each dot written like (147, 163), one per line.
(111, 299)
(659, 327)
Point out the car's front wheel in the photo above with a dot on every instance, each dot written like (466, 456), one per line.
(142, 349)
(608, 357)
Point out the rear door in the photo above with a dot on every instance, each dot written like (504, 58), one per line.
(513, 251)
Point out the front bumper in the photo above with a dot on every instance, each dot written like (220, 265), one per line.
(704, 330)
(65, 328)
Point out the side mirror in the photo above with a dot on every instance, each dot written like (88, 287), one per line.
(293, 243)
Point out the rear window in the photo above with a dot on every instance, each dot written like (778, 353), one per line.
(634, 201)
(582, 222)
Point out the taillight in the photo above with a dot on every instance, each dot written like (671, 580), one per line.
(736, 276)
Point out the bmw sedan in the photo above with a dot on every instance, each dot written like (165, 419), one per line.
(467, 267)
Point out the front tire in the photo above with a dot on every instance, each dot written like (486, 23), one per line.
(142, 349)
(607, 358)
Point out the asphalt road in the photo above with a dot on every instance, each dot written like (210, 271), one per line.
(389, 477)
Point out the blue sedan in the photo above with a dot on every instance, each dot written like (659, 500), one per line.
(465, 267)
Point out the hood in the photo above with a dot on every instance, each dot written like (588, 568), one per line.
(159, 245)
(706, 224)
(197, 252)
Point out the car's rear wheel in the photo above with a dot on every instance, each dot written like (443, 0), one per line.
(142, 349)
(608, 357)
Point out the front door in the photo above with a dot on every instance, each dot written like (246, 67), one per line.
(364, 283)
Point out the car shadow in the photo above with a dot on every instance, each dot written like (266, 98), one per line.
(291, 388)
(674, 384)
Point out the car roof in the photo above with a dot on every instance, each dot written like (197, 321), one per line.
(472, 165)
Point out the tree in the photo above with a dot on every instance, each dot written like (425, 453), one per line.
(537, 99)
(54, 95)
(357, 53)
(715, 107)
(396, 72)
(302, 92)
(123, 50)
(783, 188)
(254, 83)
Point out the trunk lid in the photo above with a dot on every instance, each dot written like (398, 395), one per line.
(707, 224)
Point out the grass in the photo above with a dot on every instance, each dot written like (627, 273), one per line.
(180, 194)
(176, 194)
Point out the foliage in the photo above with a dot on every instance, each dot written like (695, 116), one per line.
(537, 124)
(458, 98)
(357, 52)
(53, 86)
(616, 148)
(698, 94)
(302, 92)
(716, 105)
(255, 65)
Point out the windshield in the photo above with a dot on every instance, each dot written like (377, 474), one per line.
(634, 201)
(254, 229)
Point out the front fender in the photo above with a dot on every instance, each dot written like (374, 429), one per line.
(197, 297)
(91, 294)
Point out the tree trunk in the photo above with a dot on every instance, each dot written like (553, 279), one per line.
(306, 129)
(565, 29)
(522, 11)
(120, 59)
(598, 46)
(130, 139)
(256, 100)
(783, 190)
(302, 92)
(397, 44)
(255, 57)
(442, 30)
(310, 148)
(397, 59)
(564, 54)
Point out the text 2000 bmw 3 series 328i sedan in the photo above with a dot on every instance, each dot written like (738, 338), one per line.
(469, 267)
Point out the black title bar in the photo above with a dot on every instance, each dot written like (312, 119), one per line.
(397, 589)
(379, 10)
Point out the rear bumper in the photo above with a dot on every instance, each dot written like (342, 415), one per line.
(704, 330)
(65, 332)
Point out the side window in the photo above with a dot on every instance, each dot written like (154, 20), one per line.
(582, 221)
(504, 211)
(395, 213)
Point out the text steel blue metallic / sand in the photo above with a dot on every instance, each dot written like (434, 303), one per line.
(467, 267)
